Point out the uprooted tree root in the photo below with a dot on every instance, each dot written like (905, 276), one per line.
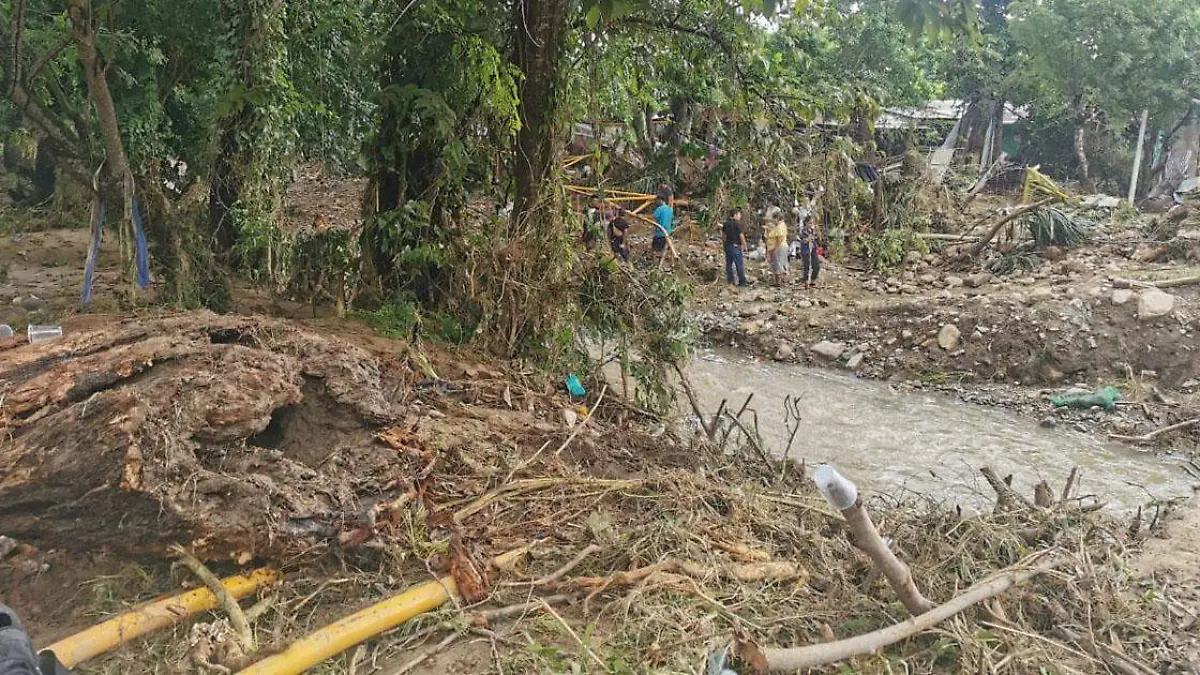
(645, 554)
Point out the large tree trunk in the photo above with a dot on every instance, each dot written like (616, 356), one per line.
(106, 116)
(539, 29)
(1080, 142)
(1138, 155)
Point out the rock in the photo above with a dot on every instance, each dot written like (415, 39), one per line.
(804, 304)
(855, 361)
(928, 279)
(749, 310)
(953, 281)
(977, 280)
(1121, 296)
(1041, 293)
(784, 352)
(813, 322)
(908, 289)
(1154, 303)
(570, 417)
(7, 545)
(892, 281)
(30, 303)
(948, 337)
(906, 334)
(1048, 423)
(752, 327)
(828, 350)
(912, 257)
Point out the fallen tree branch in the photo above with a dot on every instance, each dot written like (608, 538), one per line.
(1146, 438)
(1166, 283)
(1005, 495)
(1004, 220)
(938, 236)
(237, 619)
(866, 538)
(571, 564)
(764, 660)
(709, 429)
(528, 485)
(843, 495)
(987, 176)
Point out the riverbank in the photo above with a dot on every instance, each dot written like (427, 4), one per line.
(1065, 324)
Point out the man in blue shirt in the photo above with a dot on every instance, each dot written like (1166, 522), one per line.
(664, 217)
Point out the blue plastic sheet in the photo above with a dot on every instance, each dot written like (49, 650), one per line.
(142, 254)
(89, 270)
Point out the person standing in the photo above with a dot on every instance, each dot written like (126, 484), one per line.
(618, 233)
(664, 224)
(735, 244)
(777, 243)
(810, 254)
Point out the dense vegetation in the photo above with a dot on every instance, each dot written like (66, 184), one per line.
(458, 111)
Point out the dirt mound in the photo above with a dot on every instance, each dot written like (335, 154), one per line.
(214, 430)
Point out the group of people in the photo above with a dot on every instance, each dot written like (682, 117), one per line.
(807, 245)
(603, 216)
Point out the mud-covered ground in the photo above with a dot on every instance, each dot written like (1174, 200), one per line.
(335, 455)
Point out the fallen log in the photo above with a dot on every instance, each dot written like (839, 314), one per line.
(776, 660)
(1006, 219)
(1147, 438)
(1166, 283)
(938, 236)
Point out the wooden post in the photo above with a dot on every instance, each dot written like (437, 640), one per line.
(1137, 156)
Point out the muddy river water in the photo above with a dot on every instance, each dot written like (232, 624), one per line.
(909, 444)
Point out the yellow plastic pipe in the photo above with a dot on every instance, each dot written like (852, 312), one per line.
(341, 635)
(154, 616)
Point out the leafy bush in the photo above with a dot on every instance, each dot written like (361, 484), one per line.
(885, 251)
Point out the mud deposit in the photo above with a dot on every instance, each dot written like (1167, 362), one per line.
(219, 431)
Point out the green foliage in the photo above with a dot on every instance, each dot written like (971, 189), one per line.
(324, 265)
(402, 320)
(644, 314)
(885, 251)
(1051, 226)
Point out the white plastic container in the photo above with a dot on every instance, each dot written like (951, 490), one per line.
(836, 488)
(44, 333)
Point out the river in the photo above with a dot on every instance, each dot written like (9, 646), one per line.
(925, 445)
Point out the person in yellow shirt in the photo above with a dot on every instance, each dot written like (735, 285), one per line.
(777, 242)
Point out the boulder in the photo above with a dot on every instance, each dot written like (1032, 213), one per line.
(752, 327)
(977, 280)
(953, 281)
(828, 350)
(949, 337)
(784, 352)
(1121, 296)
(1154, 303)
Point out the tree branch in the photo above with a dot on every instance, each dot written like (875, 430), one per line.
(800, 658)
